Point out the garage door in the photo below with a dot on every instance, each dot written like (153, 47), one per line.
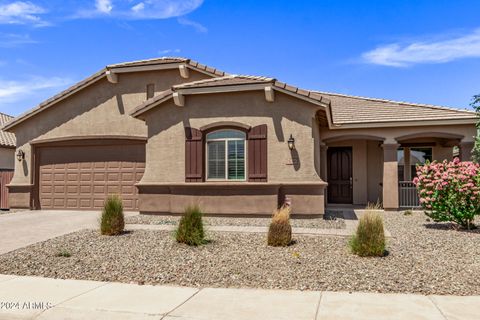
(81, 177)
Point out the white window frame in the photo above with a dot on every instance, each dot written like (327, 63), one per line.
(225, 140)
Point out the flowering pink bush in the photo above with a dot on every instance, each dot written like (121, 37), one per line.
(450, 191)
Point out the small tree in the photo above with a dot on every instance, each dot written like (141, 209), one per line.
(476, 149)
(449, 191)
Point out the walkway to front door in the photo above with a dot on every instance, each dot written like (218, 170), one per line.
(339, 162)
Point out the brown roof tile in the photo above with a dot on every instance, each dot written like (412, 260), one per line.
(7, 139)
(229, 80)
(356, 110)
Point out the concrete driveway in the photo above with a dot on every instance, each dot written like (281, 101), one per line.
(24, 228)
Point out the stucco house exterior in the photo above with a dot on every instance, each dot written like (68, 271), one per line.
(168, 132)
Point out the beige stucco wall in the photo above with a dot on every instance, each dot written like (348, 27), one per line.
(7, 158)
(374, 171)
(101, 109)
(285, 116)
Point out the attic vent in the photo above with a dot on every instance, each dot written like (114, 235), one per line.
(150, 90)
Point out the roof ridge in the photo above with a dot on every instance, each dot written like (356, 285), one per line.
(180, 59)
(394, 101)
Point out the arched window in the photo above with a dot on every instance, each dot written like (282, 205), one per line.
(226, 155)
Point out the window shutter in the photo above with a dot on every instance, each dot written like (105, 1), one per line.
(257, 154)
(193, 155)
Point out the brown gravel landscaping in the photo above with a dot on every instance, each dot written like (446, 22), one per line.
(423, 258)
(330, 222)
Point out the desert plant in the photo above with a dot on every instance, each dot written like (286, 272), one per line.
(112, 221)
(190, 228)
(408, 212)
(63, 253)
(450, 191)
(374, 205)
(369, 239)
(280, 230)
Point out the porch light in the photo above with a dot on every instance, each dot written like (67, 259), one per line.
(291, 143)
(20, 155)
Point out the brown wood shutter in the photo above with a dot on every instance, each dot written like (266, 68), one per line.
(257, 154)
(193, 155)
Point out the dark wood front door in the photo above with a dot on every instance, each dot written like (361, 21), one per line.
(339, 161)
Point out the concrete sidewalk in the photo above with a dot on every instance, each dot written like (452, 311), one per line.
(42, 298)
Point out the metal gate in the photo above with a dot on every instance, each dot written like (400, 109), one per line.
(408, 195)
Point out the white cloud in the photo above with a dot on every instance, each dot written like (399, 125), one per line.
(139, 10)
(402, 55)
(168, 51)
(16, 90)
(22, 12)
(104, 6)
(139, 7)
(12, 40)
(196, 25)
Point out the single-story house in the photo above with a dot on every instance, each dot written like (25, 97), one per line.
(168, 132)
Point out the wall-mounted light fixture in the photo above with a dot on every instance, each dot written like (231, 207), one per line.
(291, 143)
(20, 155)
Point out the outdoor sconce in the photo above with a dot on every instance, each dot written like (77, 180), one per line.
(20, 155)
(291, 143)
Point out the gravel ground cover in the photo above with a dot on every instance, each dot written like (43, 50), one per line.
(423, 258)
(330, 222)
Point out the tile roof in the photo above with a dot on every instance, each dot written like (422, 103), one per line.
(347, 109)
(7, 139)
(229, 80)
(167, 60)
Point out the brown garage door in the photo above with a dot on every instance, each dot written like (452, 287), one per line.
(81, 177)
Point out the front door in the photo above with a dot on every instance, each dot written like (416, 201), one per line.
(339, 161)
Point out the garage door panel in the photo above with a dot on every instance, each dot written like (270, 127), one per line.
(81, 177)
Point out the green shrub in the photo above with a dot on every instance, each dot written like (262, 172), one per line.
(369, 239)
(450, 191)
(112, 221)
(408, 212)
(280, 230)
(63, 253)
(190, 228)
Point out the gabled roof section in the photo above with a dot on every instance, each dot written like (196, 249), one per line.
(349, 111)
(231, 83)
(172, 61)
(7, 139)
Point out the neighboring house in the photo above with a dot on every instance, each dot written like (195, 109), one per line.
(7, 161)
(168, 132)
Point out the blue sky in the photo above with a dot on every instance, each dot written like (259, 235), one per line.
(417, 51)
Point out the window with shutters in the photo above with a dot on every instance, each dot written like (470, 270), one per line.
(225, 155)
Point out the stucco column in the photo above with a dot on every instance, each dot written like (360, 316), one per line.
(390, 176)
(406, 165)
(323, 161)
(466, 150)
